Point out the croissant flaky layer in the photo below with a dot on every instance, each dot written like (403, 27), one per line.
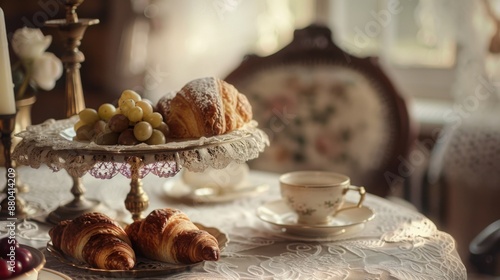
(95, 239)
(168, 235)
(206, 107)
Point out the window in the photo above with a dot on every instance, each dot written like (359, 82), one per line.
(413, 39)
(405, 33)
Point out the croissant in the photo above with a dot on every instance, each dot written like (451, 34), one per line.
(96, 239)
(168, 235)
(163, 104)
(207, 107)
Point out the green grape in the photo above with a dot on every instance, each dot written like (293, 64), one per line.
(130, 94)
(135, 114)
(157, 138)
(100, 126)
(155, 119)
(126, 105)
(77, 125)
(163, 127)
(149, 101)
(142, 131)
(85, 132)
(106, 111)
(88, 116)
(118, 123)
(127, 138)
(147, 108)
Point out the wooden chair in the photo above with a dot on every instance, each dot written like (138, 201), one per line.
(326, 109)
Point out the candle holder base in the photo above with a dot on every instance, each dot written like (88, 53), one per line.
(22, 187)
(21, 209)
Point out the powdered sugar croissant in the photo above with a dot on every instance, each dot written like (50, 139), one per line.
(96, 239)
(206, 107)
(168, 235)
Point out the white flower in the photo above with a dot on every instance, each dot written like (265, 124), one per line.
(47, 69)
(30, 43)
(41, 69)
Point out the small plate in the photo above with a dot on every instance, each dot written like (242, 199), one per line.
(279, 214)
(179, 190)
(49, 274)
(144, 267)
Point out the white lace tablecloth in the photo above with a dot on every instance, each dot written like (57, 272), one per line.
(397, 244)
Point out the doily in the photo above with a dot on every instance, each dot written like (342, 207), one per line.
(52, 143)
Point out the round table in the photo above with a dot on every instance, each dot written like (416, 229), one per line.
(398, 243)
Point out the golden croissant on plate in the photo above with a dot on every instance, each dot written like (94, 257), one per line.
(205, 107)
(168, 235)
(96, 239)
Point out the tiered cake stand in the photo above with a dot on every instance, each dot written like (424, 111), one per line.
(51, 143)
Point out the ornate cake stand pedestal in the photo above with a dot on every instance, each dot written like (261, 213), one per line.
(137, 200)
(51, 143)
(76, 207)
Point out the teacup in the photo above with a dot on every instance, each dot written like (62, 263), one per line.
(316, 196)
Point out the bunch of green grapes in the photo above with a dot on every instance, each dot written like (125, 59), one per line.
(132, 122)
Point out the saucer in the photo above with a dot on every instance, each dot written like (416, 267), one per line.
(346, 233)
(280, 215)
(179, 190)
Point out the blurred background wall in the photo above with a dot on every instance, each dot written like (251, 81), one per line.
(155, 46)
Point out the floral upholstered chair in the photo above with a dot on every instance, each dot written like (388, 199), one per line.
(324, 109)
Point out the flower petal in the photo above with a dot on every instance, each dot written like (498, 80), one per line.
(30, 43)
(47, 69)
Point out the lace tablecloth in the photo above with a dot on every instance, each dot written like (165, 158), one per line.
(398, 243)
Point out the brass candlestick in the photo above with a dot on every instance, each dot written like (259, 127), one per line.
(23, 120)
(72, 30)
(12, 206)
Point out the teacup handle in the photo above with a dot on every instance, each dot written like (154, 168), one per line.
(362, 193)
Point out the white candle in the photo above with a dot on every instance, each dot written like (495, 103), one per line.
(7, 102)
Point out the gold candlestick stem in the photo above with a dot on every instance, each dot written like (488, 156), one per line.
(12, 206)
(72, 30)
(23, 120)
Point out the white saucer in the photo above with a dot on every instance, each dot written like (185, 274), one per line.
(49, 274)
(177, 189)
(279, 214)
(346, 233)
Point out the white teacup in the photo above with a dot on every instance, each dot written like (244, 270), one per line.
(316, 196)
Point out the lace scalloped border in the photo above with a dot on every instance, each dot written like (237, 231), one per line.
(51, 143)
